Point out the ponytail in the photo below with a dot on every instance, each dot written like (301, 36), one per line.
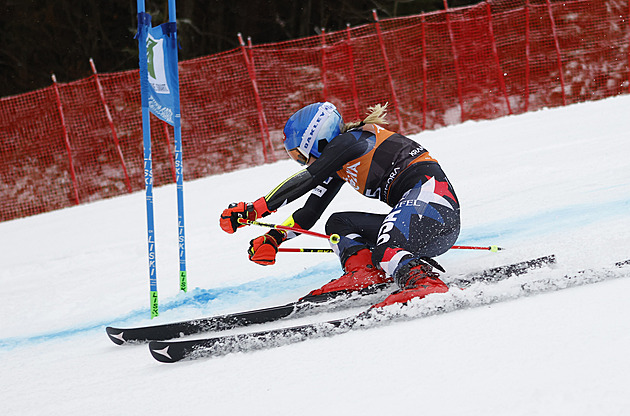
(375, 115)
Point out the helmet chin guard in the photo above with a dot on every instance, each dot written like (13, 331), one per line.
(307, 127)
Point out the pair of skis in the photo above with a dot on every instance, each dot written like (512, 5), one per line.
(176, 350)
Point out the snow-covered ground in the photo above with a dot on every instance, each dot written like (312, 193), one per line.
(552, 181)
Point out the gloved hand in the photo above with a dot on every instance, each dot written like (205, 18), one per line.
(241, 210)
(262, 250)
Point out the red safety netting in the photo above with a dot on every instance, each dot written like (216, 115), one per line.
(59, 147)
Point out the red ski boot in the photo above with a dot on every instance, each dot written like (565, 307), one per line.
(359, 274)
(417, 280)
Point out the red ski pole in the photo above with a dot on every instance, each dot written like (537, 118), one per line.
(334, 238)
(304, 250)
(494, 249)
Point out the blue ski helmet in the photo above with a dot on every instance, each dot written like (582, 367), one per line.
(306, 129)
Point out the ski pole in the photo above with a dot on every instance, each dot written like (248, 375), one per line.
(334, 238)
(494, 249)
(304, 250)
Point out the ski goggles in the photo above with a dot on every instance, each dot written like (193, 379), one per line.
(298, 156)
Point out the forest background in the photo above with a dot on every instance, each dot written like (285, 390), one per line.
(39, 37)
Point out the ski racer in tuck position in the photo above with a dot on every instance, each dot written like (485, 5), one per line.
(374, 248)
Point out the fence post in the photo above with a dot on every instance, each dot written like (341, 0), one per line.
(66, 140)
(323, 64)
(387, 70)
(111, 125)
(495, 51)
(355, 96)
(262, 120)
(424, 71)
(456, 61)
(557, 45)
(527, 59)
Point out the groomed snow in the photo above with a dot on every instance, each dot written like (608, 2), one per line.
(553, 181)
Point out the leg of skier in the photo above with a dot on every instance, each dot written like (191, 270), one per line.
(424, 224)
(378, 248)
(358, 231)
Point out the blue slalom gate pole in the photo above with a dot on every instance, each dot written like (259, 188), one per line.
(144, 22)
(159, 85)
(179, 163)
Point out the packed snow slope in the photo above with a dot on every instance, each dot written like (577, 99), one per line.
(553, 181)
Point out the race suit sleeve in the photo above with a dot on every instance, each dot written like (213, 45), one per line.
(320, 177)
(317, 202)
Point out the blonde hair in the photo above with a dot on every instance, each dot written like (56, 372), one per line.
(375, 115)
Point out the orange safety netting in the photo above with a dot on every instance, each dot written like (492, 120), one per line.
(59, 147)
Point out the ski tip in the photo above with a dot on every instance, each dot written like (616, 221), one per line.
(161, 352)
(117, 335)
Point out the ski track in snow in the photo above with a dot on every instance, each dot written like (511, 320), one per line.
(198, 298)
(537, 225)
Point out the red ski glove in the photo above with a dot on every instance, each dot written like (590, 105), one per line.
(241, 210)
(262, 250)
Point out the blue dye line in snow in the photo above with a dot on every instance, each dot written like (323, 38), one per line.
(539, 224)
(197, 298)
(547, 222)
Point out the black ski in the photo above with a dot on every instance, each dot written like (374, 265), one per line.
(172, 351)
(307, 304)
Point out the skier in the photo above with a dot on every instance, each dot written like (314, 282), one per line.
(374, 248)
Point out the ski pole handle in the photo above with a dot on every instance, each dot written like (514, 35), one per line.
(334, 238)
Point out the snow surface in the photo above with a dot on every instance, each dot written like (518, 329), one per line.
(552, 181)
